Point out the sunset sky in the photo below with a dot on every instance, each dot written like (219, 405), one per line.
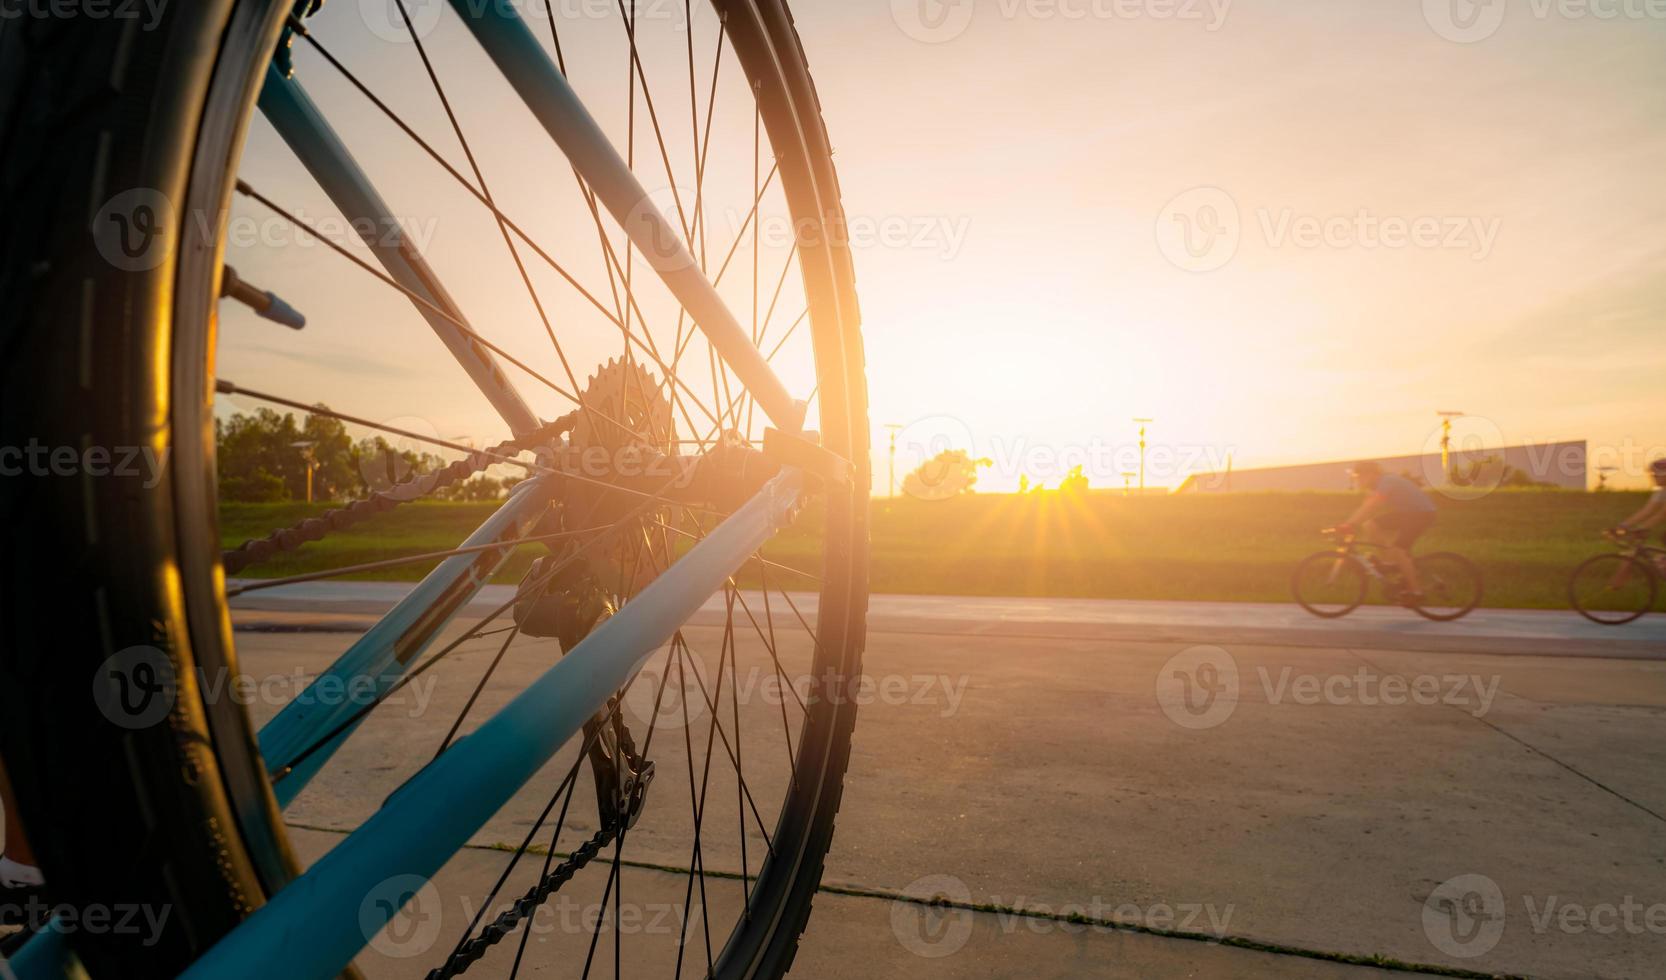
(1287, 231)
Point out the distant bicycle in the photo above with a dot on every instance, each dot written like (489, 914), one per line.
(1620, 586)
(1334, 582)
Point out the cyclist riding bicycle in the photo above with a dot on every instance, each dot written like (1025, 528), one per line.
(1396, 512)
(1654, 511)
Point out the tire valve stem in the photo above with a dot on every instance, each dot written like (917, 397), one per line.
(265, 304)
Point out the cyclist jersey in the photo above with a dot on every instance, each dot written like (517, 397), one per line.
(1403, 496)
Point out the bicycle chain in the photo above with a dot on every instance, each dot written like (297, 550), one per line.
(288, 539)
(471, 951)
(476, 947)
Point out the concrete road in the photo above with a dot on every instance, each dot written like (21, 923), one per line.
(1239, 792)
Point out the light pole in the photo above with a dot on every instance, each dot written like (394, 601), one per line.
(1142, 424)
(311, 461)
(1446, 442)
(895, 428)
(1127, 478)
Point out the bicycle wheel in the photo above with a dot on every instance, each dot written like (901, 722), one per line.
(158, 793)
(1330, 585)
(1451, 586)
(1612, 589)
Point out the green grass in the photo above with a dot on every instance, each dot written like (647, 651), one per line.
(1238, 547)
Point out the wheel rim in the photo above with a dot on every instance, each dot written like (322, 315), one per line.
(1451, 586)
(1330, 584)
(822, 331)
(1612, 589)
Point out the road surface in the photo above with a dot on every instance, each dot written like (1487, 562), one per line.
(1487, 796)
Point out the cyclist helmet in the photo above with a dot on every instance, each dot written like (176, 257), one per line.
(1658, 467)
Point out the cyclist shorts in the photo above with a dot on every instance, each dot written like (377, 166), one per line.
(1405, 526)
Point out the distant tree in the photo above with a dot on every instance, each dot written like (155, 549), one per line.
(334, 477)
(257, 457)
(480, 487)
(950, 473)
(259, 487)
(1075, 482)
(264, 457)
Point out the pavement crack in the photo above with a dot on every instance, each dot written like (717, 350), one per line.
(1599, 784)
(1376, 961)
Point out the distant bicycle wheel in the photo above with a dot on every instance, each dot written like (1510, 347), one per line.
(1612, 589)
(1451, 586)
(1329, 584)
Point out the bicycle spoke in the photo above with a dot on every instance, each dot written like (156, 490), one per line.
(486, 191)
(474, 696)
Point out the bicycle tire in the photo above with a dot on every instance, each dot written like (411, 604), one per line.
(1619, 618)
(1353, 596)
(102, 356)
(1461, 566)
